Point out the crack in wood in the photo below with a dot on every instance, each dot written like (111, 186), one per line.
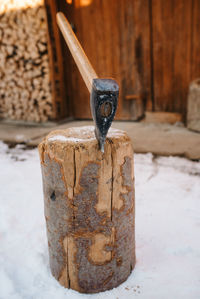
(91, 236)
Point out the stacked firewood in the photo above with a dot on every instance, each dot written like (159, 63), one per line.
(25, 91)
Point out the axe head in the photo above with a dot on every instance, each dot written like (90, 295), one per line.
(103, 103)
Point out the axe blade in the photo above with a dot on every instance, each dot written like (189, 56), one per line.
(103, 103)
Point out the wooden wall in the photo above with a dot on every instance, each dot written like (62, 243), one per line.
(150, 46)
(176, 52)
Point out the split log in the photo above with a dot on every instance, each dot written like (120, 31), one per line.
(89, 208)
(24, 63)
(193, 108)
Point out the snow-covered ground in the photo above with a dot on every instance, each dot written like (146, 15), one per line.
(167, 231)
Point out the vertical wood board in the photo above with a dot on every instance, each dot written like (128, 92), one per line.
(116, 40)
(171, 25)
(56, 62)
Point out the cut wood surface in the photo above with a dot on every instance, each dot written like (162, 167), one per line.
(193, 111)
(25, 92)
(89, 208)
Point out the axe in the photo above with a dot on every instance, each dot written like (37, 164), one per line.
(103, 92)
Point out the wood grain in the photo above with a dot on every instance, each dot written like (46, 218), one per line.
(116, 40)
(60, 104)
(171, 25)
(87, 72)
(89, 208)
(195, 40)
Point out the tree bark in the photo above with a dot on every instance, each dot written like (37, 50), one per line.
(89, 208)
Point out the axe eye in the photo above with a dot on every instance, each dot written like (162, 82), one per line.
(106, 109)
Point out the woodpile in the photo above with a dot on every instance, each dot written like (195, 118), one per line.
(25, 91)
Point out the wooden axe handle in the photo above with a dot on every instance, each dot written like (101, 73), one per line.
(82, 62)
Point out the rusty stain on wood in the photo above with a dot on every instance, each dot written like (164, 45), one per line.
(97, 251)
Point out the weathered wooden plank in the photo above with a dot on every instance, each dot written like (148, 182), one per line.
(171, 25)
(135, 63)
(195, 40)
(116, 40)
(82, 62)
(56, 62)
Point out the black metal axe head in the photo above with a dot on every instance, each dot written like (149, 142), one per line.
(103, 102)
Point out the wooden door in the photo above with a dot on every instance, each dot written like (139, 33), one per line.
(115, 37)
(175, 52)
(171, 42)
(151, 47)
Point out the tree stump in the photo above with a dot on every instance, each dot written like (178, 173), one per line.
(89, 208)
(193, 109)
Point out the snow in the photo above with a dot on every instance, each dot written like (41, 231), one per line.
(61, 138)
(167, 230)
(86, 132)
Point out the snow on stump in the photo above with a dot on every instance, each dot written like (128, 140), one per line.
(89, 208)
(193, 109)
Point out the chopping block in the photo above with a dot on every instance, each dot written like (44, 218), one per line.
(89, 208)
